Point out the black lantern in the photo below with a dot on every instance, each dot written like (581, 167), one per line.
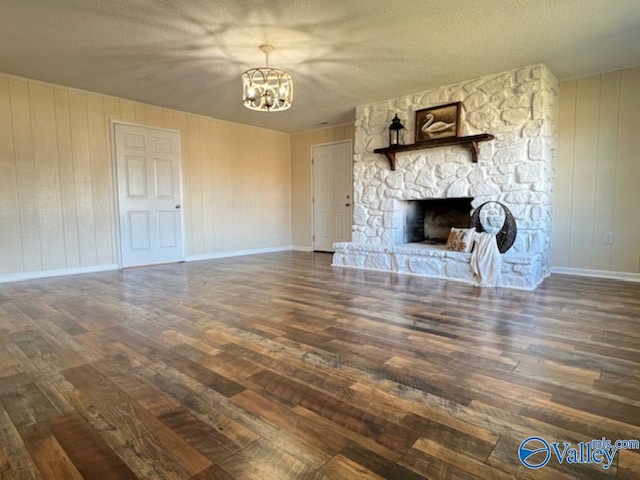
(396, 132)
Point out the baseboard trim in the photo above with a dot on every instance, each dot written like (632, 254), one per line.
(237, 253)
(19, 277)
(300, 248)
(585, 272)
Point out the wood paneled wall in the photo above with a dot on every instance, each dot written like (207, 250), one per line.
(248, 188)
(598, 173)
(301, 144)
(57, 198)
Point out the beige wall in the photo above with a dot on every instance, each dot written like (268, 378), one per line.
(247, 188)
(598, 173)
(57, 200)
(301, 144)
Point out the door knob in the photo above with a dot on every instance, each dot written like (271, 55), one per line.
(178, 206)
(347, 204)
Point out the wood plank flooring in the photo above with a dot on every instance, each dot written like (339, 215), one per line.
(278, 366)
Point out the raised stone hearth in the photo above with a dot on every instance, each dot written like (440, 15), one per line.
(519, 108)
(434, 261)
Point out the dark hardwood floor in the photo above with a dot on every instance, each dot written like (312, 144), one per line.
(279, 367)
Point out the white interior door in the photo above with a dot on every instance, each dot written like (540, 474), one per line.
(149, 195)
(332, 194)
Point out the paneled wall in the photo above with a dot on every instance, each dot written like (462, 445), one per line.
(57, 198)
(598, 173)
(301, 144)
(247, 188)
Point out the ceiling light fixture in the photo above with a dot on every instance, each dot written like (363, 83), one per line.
(267, 89)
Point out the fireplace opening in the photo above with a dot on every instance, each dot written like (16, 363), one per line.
(430, 220)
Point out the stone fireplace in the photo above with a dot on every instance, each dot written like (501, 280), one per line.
(518, 107)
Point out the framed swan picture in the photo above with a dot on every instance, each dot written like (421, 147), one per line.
(438, 122)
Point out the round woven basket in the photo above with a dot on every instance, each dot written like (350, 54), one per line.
(507, 234)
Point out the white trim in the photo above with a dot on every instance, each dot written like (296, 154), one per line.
(311, 198)
(236, 253)
(116, 200)
(586, 272)
(18, 277)
(141, 125)
(335, 142)
(301, 248)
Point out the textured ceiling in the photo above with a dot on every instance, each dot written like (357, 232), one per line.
(190, 54)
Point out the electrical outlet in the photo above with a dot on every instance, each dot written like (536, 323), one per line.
(608, 238)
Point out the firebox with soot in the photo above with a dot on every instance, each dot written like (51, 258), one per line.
(430, 220)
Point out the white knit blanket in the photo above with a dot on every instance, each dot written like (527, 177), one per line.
(486, 261)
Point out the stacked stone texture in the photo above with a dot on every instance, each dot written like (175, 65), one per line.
(516, 168)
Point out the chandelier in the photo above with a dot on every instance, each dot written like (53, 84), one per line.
(267, 89)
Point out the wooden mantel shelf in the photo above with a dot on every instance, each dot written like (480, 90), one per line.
(471, 142)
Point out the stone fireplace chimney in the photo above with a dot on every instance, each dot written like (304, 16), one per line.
(518, 107)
